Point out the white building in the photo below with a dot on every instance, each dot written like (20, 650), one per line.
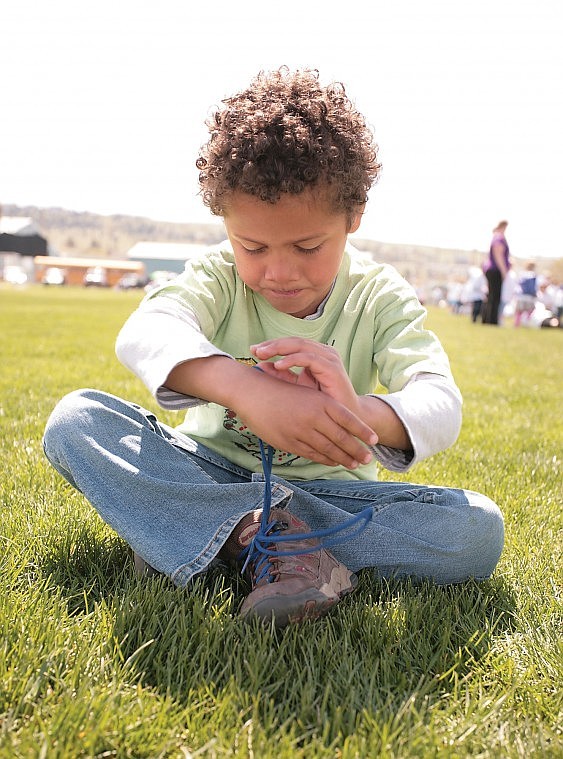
(165, 256)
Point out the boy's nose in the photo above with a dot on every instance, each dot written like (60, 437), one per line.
(280, 268)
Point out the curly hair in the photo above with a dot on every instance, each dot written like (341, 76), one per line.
(284, 134)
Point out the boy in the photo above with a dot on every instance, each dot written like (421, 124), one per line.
(287, 166)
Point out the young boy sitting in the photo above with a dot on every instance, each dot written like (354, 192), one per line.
(287, 166)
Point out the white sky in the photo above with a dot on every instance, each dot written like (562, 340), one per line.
(102, 105)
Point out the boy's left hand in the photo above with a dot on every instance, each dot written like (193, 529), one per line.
(323, 369)
(321, 364)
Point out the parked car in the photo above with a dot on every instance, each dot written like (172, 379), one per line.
(132, 282)
(96, 276)
(159, 278)
(14, 274)
(54, 276)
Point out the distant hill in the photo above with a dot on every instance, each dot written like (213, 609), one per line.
(88, 234)
(421, 264)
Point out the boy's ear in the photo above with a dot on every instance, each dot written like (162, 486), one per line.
(356, 220)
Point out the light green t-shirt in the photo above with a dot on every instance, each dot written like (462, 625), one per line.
(372, 318)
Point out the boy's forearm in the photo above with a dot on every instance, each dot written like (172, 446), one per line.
(222, 380)
(299, 420)
(430, 408)
(384, 422)
(216, 379)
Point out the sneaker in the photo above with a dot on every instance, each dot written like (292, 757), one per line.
(291, 589)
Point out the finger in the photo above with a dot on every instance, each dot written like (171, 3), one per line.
(339, 435)
(348, 424)
(327, 374)
(316, 363)
(269, 368)
(264, 350)
(282, 346)
(332, 451)
(319, 449)
(304, 378)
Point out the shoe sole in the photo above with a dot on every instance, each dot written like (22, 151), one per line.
(308, 605)
(142, 568)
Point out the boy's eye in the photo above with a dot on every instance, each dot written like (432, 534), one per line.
(308, 250)
(253, 250)
(298, 248)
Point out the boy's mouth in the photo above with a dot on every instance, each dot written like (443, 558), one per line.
(285, 293)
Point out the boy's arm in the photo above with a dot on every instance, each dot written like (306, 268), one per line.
(412, 423)
(163, 345)
(380, 416)
(429, 408)
(158, 336)
(287, 416)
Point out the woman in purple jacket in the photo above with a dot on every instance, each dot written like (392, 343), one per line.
(496, 269)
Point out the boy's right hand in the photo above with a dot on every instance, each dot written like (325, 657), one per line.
(304, 421)
(300, 420)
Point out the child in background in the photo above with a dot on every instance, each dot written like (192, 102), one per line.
(474, 291)
(288, 166)
(526, 296)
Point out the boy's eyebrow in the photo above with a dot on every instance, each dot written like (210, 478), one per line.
(309, 238)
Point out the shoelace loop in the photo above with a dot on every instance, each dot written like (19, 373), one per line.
(258, 552)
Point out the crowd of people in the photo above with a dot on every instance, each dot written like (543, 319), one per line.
(499, 289)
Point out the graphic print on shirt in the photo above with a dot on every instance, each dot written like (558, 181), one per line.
(246, 440)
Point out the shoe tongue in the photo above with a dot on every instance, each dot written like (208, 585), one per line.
(247, 533)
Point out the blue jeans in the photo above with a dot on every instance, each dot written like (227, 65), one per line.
(175, 502)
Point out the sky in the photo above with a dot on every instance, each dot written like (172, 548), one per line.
(103, 105)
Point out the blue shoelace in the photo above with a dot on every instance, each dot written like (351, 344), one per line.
(258, 553)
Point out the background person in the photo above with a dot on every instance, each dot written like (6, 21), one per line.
(508, 291)
(496, 269)
(526, 295)
(474, 291)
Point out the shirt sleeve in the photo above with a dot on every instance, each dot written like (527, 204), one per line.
(429, 406)
(158, 336)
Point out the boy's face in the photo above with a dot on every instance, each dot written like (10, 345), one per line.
(290, 251)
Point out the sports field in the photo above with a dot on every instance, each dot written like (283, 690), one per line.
(98, 663)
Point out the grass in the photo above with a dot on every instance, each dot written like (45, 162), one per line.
(97, 663)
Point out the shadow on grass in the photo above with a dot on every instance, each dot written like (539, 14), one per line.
(88, 570)
(390, 643)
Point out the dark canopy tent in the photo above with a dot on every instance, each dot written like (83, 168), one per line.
(25, 245)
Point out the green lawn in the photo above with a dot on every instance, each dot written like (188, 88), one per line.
(98, 663)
